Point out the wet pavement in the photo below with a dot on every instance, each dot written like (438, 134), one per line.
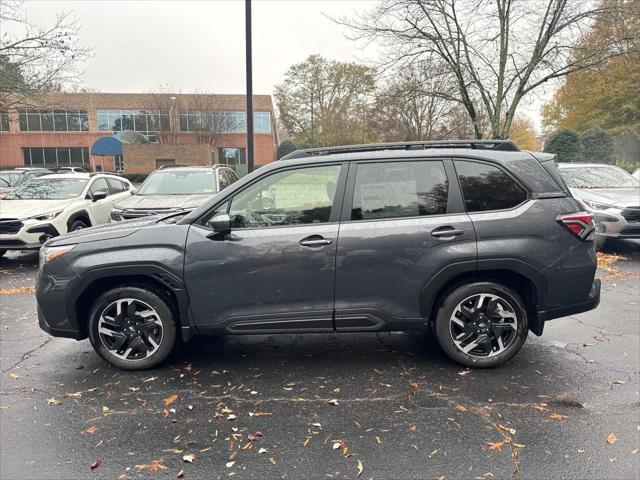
(326, 406)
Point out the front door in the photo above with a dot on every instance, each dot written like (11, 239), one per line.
(403, 221)
(275, 270)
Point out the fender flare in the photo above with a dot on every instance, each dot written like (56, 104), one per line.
(74, 216)
(154, 272)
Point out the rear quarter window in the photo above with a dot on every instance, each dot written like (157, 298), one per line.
(486, 187)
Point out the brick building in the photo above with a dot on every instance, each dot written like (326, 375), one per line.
(183, 129)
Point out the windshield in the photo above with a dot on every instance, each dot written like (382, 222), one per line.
(9, 179)
(49, 189)
(178, 182)
(598, 177)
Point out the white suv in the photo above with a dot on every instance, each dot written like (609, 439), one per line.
(51, 205)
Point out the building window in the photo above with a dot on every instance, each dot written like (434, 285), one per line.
(234, 157)
(142, 121)
(223, 121)
(165, 162)
(53, 120)
(55, 156)
(4, 122)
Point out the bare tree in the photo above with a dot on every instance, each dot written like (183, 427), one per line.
(36, 59)
(495, 51)
(410, 106)
(207, 117)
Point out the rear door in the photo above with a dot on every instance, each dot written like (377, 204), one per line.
(402, 222)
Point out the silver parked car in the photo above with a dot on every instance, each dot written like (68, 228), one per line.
(174, 189)
(612, 194)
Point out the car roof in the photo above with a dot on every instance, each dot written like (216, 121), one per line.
(81, 175)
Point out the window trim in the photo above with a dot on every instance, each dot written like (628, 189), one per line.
(528, 195)
(453, 195)
(334, 216)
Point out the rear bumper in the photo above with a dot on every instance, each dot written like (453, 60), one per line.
(591, 302)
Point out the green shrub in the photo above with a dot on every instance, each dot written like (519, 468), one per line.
(285, 148)
(136, 177)
(597, 146)
(565, 144)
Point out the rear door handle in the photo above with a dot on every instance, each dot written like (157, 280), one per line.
(315, 241)
(446, 232)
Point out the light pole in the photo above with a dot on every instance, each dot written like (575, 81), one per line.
(249, 87)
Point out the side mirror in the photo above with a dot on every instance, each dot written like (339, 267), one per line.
(221, 223)
(99, 195)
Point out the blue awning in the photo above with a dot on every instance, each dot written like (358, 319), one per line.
(107, 146)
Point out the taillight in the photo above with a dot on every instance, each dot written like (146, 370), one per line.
(579, 223)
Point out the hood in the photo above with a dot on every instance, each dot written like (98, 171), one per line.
(618, 197)
(30, 208)
(150, 202)
(103, 232)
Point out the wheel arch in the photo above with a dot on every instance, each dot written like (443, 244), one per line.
(79, 215)
(159, 281)
(524, 279)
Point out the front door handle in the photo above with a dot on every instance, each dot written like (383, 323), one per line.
(446, 232)
(315, 241)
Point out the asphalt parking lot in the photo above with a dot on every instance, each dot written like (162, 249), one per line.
(326, 406)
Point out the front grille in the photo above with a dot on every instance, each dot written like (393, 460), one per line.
(10, 225)
(139, 213)
(631, 214)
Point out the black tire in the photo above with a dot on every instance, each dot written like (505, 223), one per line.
(515, 332)
(143, 296)
(78, 224)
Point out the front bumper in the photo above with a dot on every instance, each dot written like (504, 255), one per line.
(57, 331)
(31, 235)
(613, 223)
(591, 302)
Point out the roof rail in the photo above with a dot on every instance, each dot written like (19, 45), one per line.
(501, 145)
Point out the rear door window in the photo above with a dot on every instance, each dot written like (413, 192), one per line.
(399, 189)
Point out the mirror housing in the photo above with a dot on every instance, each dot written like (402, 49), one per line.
(221, 223)
(99, 195)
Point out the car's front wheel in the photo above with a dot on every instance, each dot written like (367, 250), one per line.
(132, 328)
(482, 324)
(77, 225)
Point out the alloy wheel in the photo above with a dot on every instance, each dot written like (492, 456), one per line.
(483, 325)
(130, 329)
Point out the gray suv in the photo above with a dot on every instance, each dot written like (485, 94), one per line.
(477, 240)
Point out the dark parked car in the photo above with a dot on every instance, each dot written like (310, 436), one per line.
(174, 189)
(477, 239)
(12, 179)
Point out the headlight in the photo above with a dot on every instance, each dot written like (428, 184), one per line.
(597, 206)
(49, 254)
(45, 216)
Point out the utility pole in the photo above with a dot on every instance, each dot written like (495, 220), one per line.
(250, 163)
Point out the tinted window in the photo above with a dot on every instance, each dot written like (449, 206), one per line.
(399, 189)
(100, 185)
(292, 197)
(487, 188)
(117, 186)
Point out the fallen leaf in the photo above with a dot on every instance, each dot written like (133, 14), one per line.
(635, 451)
(95, 464)
(413, 428)
(15, 376)
(619, 382)
(414, 385)
(189, 457)
(231, 417)
(557, 416)
(496, 445)
(611, 438)
(53, 401)
(230, 464)
(150, 379)
(512, 431)
(464, 372)
(105, 409)
(517, 445)
(333, 401)
(262, 450)
(90, 430)
(170, 399)
(272, 460)
(360, 467)
(180, 474)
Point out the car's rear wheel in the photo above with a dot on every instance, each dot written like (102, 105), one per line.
(482, 324)
(132, 328)
(77, 225)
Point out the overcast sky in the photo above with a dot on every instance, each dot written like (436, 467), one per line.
(199, 45)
